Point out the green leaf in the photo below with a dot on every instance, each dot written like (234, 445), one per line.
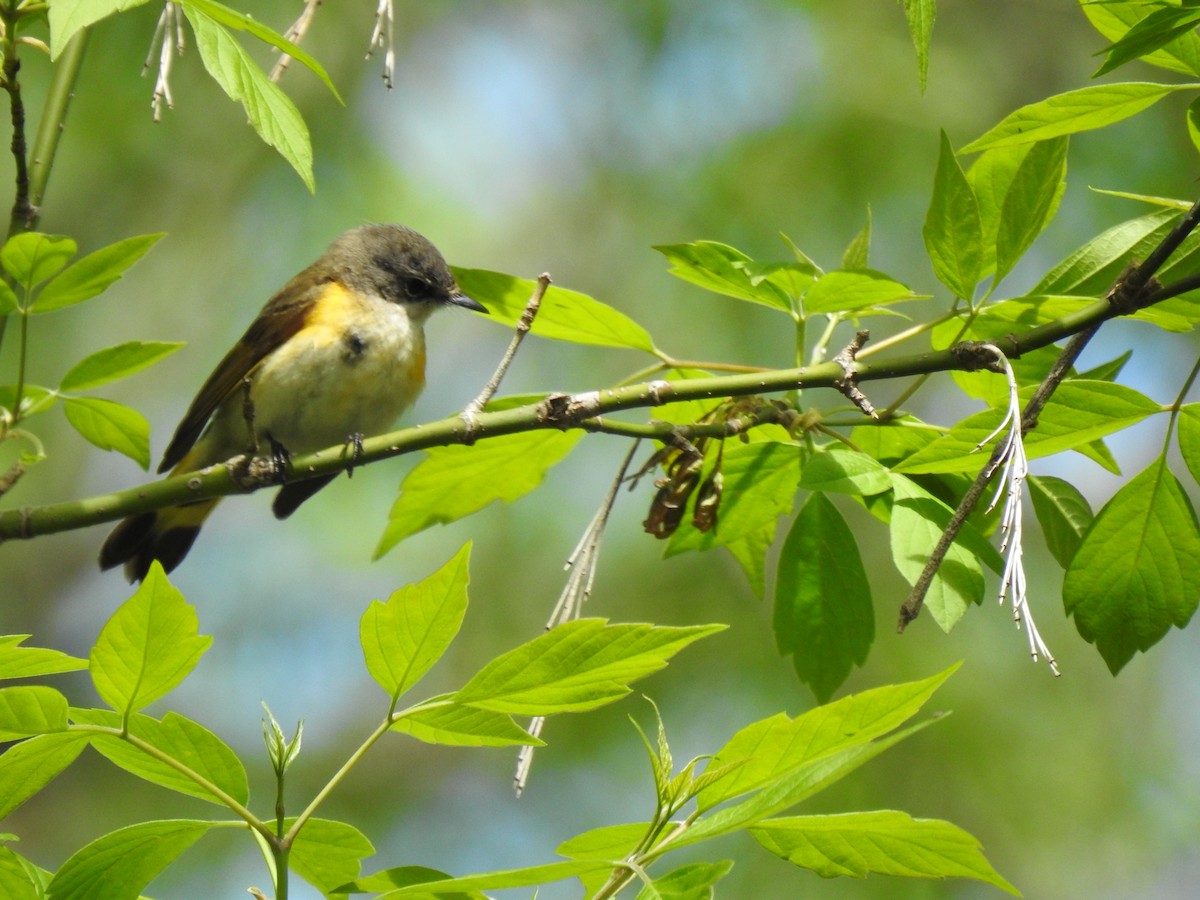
(27, 767)
(1135, 574)
(453, 482)
(775, 747)
(34, 399)
(1091, 269)
(1074, 111)
(884, 843)
(846, 291)
(750, 551)
(463, 726)
(1189, 438)
(1063, 513)
(918, 520)
(1114, 19)
(183, 740)
(921, 15)
(563, 316)
(116, 362)
(31, 257)
(268, 108)
(147, 647)
(484, 881)
(404, 637)
(68, 18)
(576, 666)
(403, 876)
(327, 854)
(606, 842)
(1154, 32)
(1193, 122)
(8, 300)
(691, 882)
(858, 252)
(31, 709)
(231, 18)
(1078, 413)
(760, 486)
(27, 662)
(840, 470)
(110, 426)
(953, 229)
(824, 618)
(728, 271)
(1031, 201)
(118, 865)
(19, 878)
(92, 275)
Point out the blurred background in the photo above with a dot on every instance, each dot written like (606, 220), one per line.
(569, 137)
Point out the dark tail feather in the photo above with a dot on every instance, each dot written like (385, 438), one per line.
(290, 496)
(165, 535)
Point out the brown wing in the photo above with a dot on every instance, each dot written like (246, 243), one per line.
(281, 318)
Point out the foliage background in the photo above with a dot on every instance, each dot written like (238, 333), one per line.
(569, 137)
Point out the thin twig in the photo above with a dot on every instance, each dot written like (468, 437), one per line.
(582, 564)
(472, 410)
(295, 34)
(848, 384)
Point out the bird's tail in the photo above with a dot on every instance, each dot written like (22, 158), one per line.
(162, 534)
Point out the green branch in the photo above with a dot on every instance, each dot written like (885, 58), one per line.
(560, 411)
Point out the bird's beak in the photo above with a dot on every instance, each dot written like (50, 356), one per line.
(458, 298)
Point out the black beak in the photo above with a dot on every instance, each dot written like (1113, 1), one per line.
(458, 298)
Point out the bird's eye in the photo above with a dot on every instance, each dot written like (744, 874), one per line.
(416, 287)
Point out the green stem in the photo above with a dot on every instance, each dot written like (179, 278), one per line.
(54, 117)
(1177, 405)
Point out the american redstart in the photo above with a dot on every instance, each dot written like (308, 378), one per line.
(338, 353)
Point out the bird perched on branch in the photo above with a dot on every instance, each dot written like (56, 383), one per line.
(338, 353)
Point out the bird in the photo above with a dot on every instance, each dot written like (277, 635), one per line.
(337, 353)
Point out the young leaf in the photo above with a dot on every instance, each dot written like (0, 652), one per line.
(454, 482)
(118, 865)
(750, 552)
(724, 270)
(1189, 438)
(116, 362)
(404, 637)
(1134, 575)
(399, 882)
(824, 618)
(19, 878)
(921, 15)
(268, 108)
(68, 18)
(918, 520)
(31, 257)
(92, 275)
(760, 486)
(774, 747)
(1155, 31)
(110, 426)
(27, 767)
(327, 854)
(691, 882)
(1063, 513)
(838, 469)
(884, 842)
(403, 876)
(858, 252)
(231, 18)
(1114, 19)
(463, 726)
(576, 666)
(1031, 201)
(847, 291)
(1075, 111)
(185, 741)
(953, 229)
(34, 399)
(1091, 269)
(31, 709)
(605, 842)
(1079, 413)
(147, 647)
(564, 315)
(26, 662)
(8, 300)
